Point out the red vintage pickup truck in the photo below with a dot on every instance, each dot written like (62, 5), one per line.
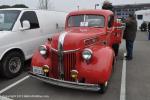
(81, 57)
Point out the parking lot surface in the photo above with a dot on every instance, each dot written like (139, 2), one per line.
(137, 83)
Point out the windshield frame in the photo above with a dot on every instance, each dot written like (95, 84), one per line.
(15, 19)
(85, 15)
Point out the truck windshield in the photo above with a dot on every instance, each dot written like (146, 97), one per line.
(8, 19)
(86, 21)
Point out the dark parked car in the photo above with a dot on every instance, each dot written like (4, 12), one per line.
(143, 26)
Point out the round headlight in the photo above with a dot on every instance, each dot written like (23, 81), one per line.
(43, 50)
(87, 54)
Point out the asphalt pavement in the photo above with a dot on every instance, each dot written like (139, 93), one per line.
(138, 70)
(137, 81)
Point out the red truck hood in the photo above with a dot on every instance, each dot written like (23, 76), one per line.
(74, 37)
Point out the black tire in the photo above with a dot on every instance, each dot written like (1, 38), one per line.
(12, 64)
(103, 88)
(116, 49)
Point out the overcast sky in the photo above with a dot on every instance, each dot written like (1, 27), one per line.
(67, 5)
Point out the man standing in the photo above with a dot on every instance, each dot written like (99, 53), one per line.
(148, 30)
(130, 35)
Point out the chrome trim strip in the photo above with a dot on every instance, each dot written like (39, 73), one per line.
(54, 49)
(70, 51)
(66, 51)
(60, 54)
(67, 84)
(62, 37)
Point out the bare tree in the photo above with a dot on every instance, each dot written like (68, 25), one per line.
(43, 4)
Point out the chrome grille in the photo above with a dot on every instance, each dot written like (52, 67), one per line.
(69, 63)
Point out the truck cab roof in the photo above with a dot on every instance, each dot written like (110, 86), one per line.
(92, 11)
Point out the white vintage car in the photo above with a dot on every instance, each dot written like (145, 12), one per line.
(23, 30)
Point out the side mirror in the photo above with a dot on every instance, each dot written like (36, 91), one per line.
(25, 25)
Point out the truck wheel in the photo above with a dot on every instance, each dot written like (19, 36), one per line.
(116, 49)
(12, 64)
(103, 87)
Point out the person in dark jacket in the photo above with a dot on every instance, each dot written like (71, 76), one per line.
(148, 30)
(130, 35)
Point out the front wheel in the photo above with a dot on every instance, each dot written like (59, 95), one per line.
(12, 64)
(103, 87)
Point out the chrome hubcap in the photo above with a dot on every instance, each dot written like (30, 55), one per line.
(14, 64)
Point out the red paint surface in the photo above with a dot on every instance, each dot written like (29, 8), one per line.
(98, 69)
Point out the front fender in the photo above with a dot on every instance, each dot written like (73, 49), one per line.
(98, 70)
(39, 60)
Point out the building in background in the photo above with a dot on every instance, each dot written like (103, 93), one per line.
(122, 11)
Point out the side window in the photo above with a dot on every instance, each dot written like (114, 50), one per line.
(139, 17)
(110, 21)
(32, 18)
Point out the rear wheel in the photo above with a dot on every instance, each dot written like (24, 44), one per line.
(12, 64)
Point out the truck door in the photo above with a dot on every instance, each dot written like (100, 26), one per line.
(118, 30)
(110, 37)
(106, 38)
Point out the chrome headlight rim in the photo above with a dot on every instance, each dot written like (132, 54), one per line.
(43, 50)
(87, 54)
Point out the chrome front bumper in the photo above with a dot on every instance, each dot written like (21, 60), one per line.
(67, 84)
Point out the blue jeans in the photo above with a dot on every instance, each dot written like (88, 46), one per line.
(129, 48)
(148, 34)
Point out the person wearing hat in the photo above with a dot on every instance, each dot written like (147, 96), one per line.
(107, 5)
(130, 35)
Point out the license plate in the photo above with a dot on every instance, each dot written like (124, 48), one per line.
(38, 70)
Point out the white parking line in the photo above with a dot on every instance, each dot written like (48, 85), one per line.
(14, 84)
(4, 98)
(123, 81)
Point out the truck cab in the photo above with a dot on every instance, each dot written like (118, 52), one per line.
(103, 22)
